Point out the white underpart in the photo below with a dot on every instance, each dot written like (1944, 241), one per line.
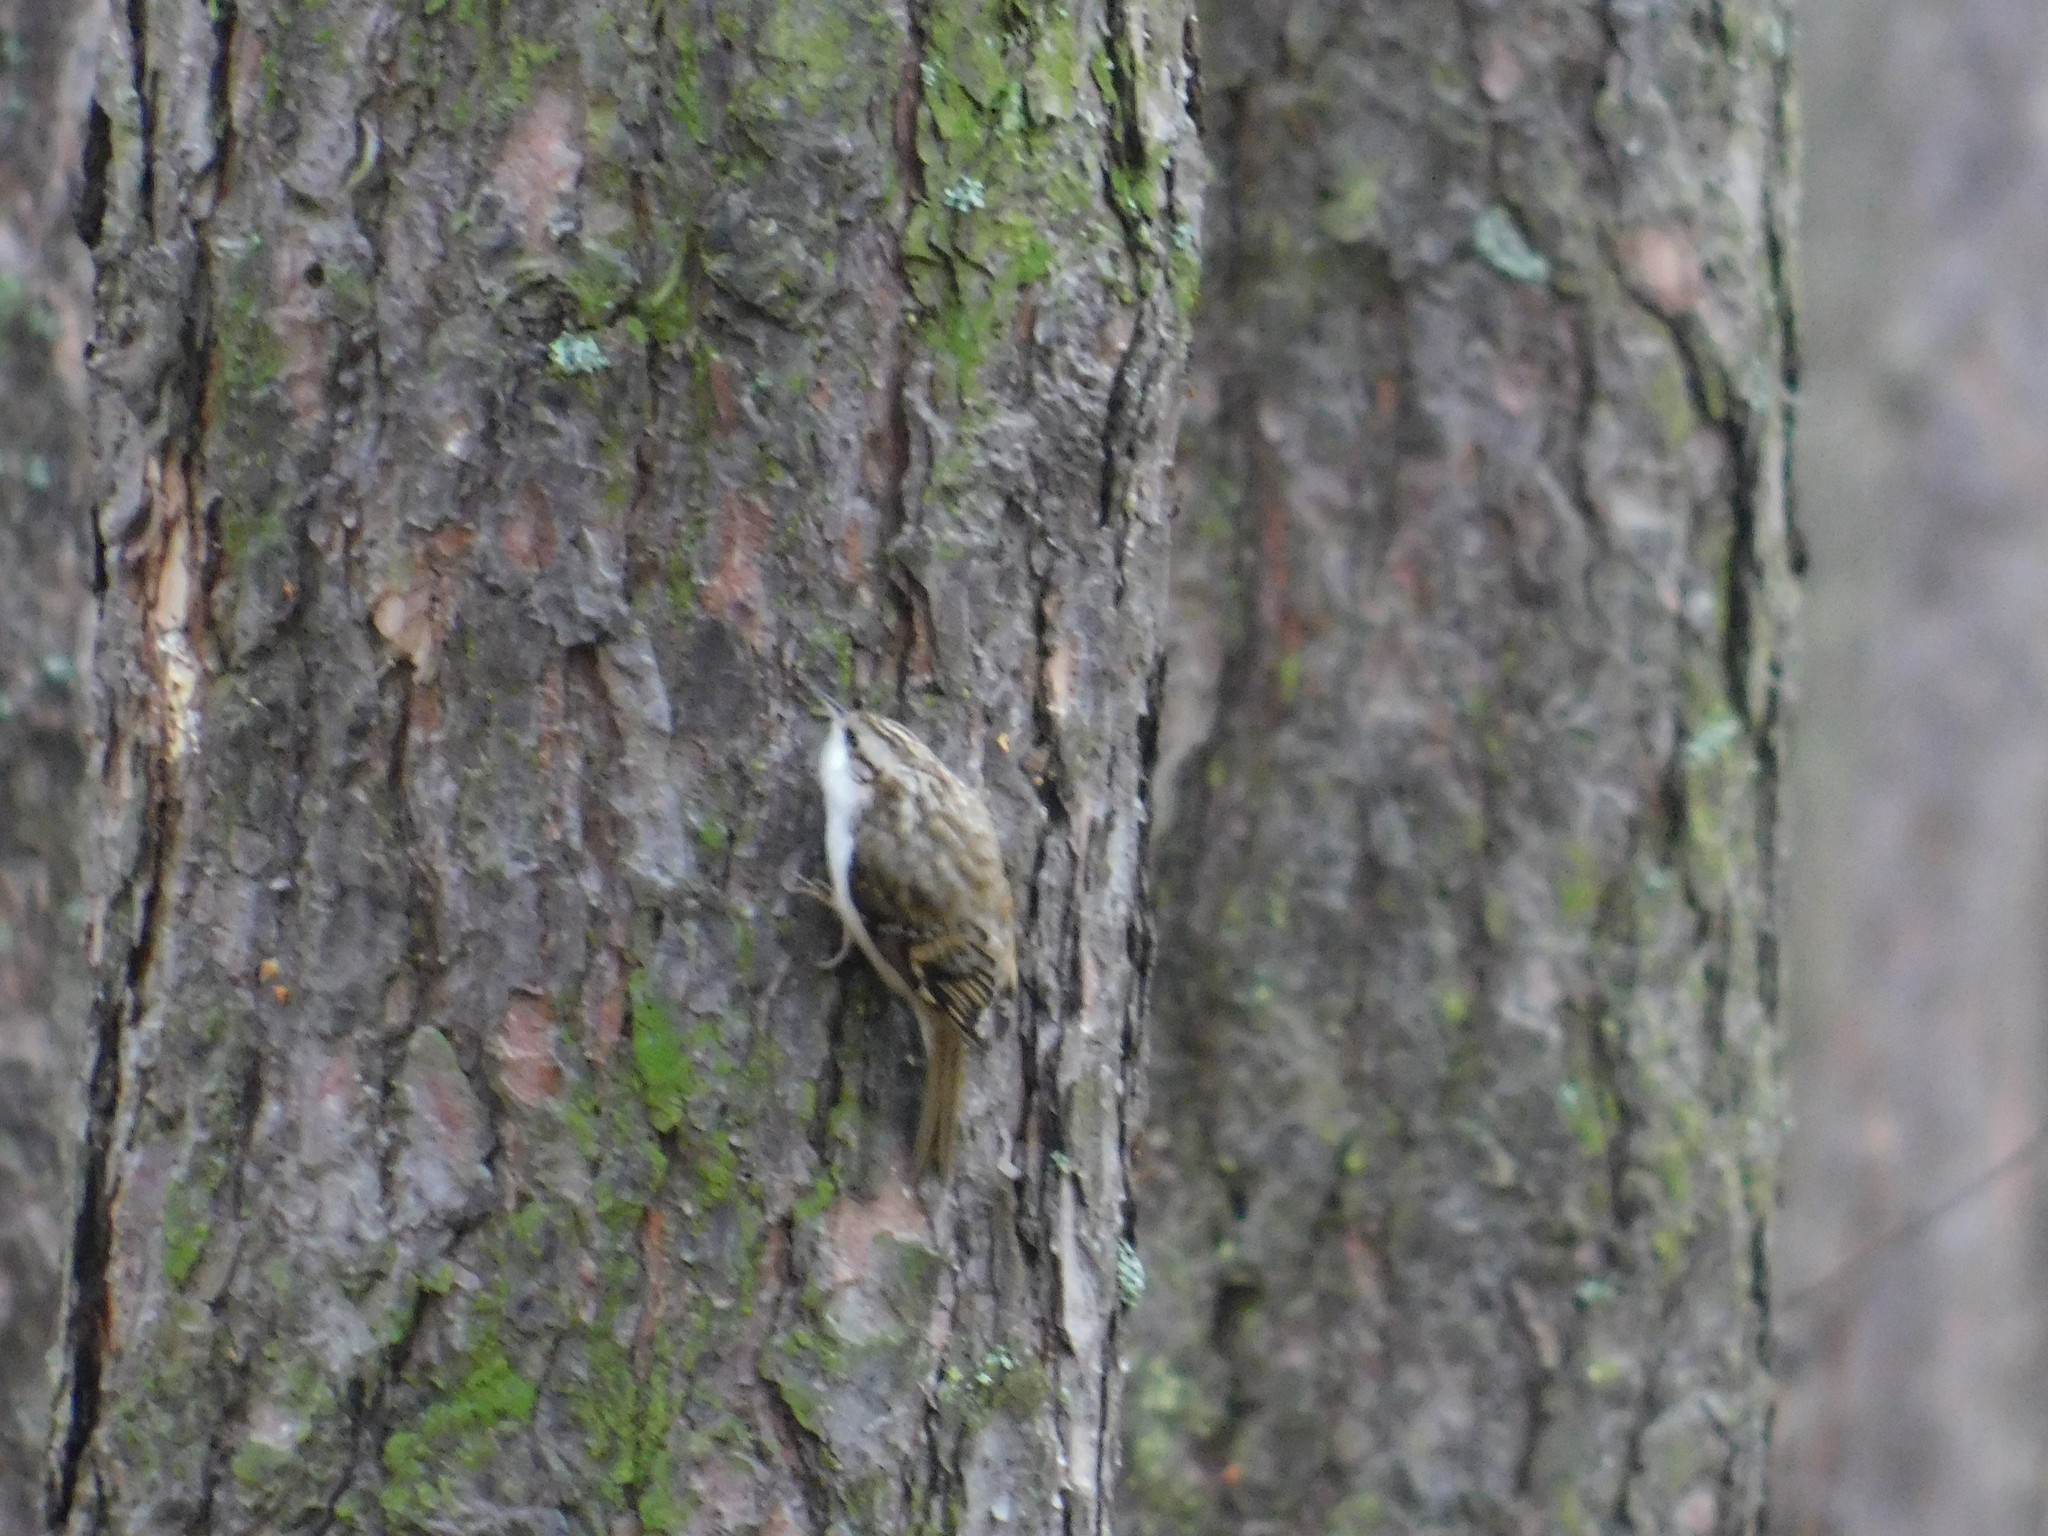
(846, 799)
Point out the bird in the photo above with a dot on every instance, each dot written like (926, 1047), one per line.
(915, 872)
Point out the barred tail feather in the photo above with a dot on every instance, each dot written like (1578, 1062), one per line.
(945, 1079)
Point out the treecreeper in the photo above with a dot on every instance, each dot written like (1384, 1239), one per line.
(915, 872)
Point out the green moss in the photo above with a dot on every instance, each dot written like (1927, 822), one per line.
(806, 1403)
(802, 1362)
(665, 308)
(1588, 1113)
(670, 1078)
(248, 354)
(1170, 1417)
(600, 282)
(1606, 1371)
(686, 86)
(1570, 1512)
(464, 1429)
(1288, 676)
(660, 1512)
(1184, 268)
(525, 55)
(1578, 891)
(681, 584)
(1669, 1243)
(243, 404)
(256, 1463)
(1360, 1515)
(1670, 402)
(1497, 916)
(999, 167)
(816, 1199)
(185, 1230)
(624, 1417)
(809, 43)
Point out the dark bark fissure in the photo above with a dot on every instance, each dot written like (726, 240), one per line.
(92, 188)
(225, 1363)
(1126, 158)
(115, 1013)
(145, 105)
(1632, 1465)
(910, 602)
(224, 14)
(364, 1408)
(91, 1239)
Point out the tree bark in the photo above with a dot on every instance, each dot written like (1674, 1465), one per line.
(44, 592)
(509, 414)
(1466, 1099)
(1913, 1340)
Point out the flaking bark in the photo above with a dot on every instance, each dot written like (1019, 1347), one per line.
(509, 413)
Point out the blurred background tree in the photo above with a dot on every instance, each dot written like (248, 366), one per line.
(45, 593)
(1466, 1108)
(1914, 1393)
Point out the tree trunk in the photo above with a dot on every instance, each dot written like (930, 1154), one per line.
(1466, 1101)
(1915, 1349)
(44, 570)
(510, 413)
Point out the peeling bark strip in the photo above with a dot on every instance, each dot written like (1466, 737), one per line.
(1466, 1059)
(508, 413)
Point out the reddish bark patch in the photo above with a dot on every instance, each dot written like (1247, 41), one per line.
(528, 537)
(1663, 265)
(338, 1088)
(1500, 72)
(245, 79)
(423, 710)
(552, 712)
(853, 546)
(725, 409)
(1276, 612)
(1516, 388)
(405, 618)
(604, 1006)
(539, 166)
(447, 1103)
(526, 1051)
(299, 322)
(414, 616)
(653, 1255)
(854, 1225)
(735, 592)
(1060, 668)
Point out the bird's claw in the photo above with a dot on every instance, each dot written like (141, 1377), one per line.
(802, 885)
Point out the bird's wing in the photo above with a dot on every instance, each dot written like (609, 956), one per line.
(912, 878)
